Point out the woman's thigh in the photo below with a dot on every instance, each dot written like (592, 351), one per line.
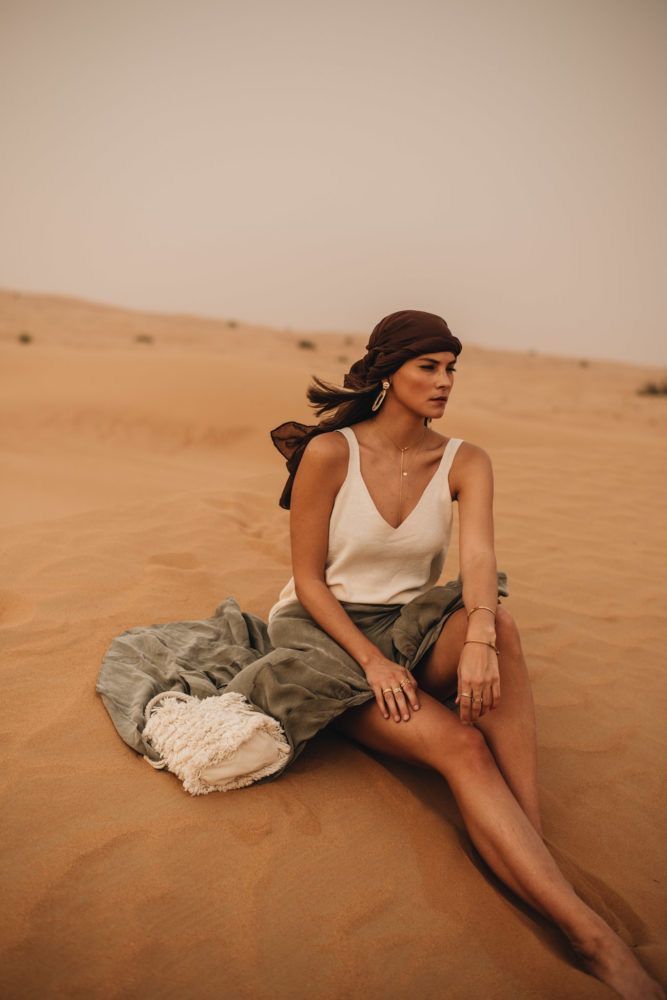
(436, 672)
(433, 736)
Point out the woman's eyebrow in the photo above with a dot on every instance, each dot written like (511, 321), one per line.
(436, 362)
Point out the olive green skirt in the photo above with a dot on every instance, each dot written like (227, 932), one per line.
(289, 669)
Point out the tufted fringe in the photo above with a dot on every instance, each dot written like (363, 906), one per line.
(198, 738)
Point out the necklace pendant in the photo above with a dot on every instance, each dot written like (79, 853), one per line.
(405, 473)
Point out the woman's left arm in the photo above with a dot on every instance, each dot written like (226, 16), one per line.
(478, 569)
(477, 557)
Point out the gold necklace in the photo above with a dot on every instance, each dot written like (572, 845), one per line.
(403, 473)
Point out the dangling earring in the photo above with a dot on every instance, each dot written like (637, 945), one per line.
(377, 402)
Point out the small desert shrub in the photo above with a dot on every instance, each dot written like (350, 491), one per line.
(653, 388)
(309, 345)
(583, 363)
(144, 338)
(24, 337)
(232, 322)
(342, 359)
(349, 340)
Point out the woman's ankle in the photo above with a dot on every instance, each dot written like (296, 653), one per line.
(590, 937)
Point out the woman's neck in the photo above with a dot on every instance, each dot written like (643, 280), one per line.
(404, 430)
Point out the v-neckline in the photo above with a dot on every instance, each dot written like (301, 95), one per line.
(368, 492)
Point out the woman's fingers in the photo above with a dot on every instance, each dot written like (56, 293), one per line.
(475, 699)
(399, 699)
(464, 701)
(476, 702)
(408, 693)
(481, 702)
(401, 703)
(388, 706)
(396, 695)
(409, 685)
(379, 697)
(394, 707)
(472, 704)
(490, 696)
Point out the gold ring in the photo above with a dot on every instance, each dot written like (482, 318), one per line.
(466, 694)
(384, 690)
(397, 690)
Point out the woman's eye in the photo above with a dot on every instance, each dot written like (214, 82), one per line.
(429, 368)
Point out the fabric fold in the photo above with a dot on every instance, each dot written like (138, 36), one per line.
(290, 674)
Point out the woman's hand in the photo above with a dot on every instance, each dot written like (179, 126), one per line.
(478, 674)
(394, 687)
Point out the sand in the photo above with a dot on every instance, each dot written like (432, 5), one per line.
(140, 485)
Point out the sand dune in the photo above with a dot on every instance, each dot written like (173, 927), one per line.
(140, 485)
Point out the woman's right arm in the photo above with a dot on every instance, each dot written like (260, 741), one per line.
(318, 478)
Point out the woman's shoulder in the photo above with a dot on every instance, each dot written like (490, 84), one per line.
(327, 453)
(470, 452)
(471, 466)
(464, 451)
(325, 461)
(327, 445)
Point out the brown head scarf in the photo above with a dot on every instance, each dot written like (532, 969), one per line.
(396, 338)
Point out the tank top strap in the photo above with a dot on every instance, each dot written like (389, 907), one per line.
(354, 460)
(448, 455)
(451, 448)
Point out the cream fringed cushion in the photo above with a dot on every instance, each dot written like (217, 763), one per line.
(213, 744)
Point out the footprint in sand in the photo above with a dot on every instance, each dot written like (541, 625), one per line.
(175, 560)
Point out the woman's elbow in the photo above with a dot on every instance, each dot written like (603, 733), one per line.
(303, 586)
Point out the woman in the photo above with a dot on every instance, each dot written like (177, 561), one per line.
(363, 515)
(364, 639)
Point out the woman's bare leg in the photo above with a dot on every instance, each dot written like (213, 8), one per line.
(510, 729)
(500, 829)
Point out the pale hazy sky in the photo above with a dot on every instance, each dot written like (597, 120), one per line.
(320, 164)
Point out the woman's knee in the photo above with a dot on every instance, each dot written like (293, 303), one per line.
(469, 754)
(428, 738)
(455, 750)
(507, 631)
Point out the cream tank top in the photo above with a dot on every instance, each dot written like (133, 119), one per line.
(370, 562)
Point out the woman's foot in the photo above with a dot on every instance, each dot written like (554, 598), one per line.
(609, 959)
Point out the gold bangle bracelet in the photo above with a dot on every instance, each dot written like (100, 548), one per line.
(484, 643)
(481, 607)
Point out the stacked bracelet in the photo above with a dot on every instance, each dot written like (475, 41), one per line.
(485, 642)
(483, 608)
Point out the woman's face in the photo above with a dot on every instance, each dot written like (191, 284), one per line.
(423, 384)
